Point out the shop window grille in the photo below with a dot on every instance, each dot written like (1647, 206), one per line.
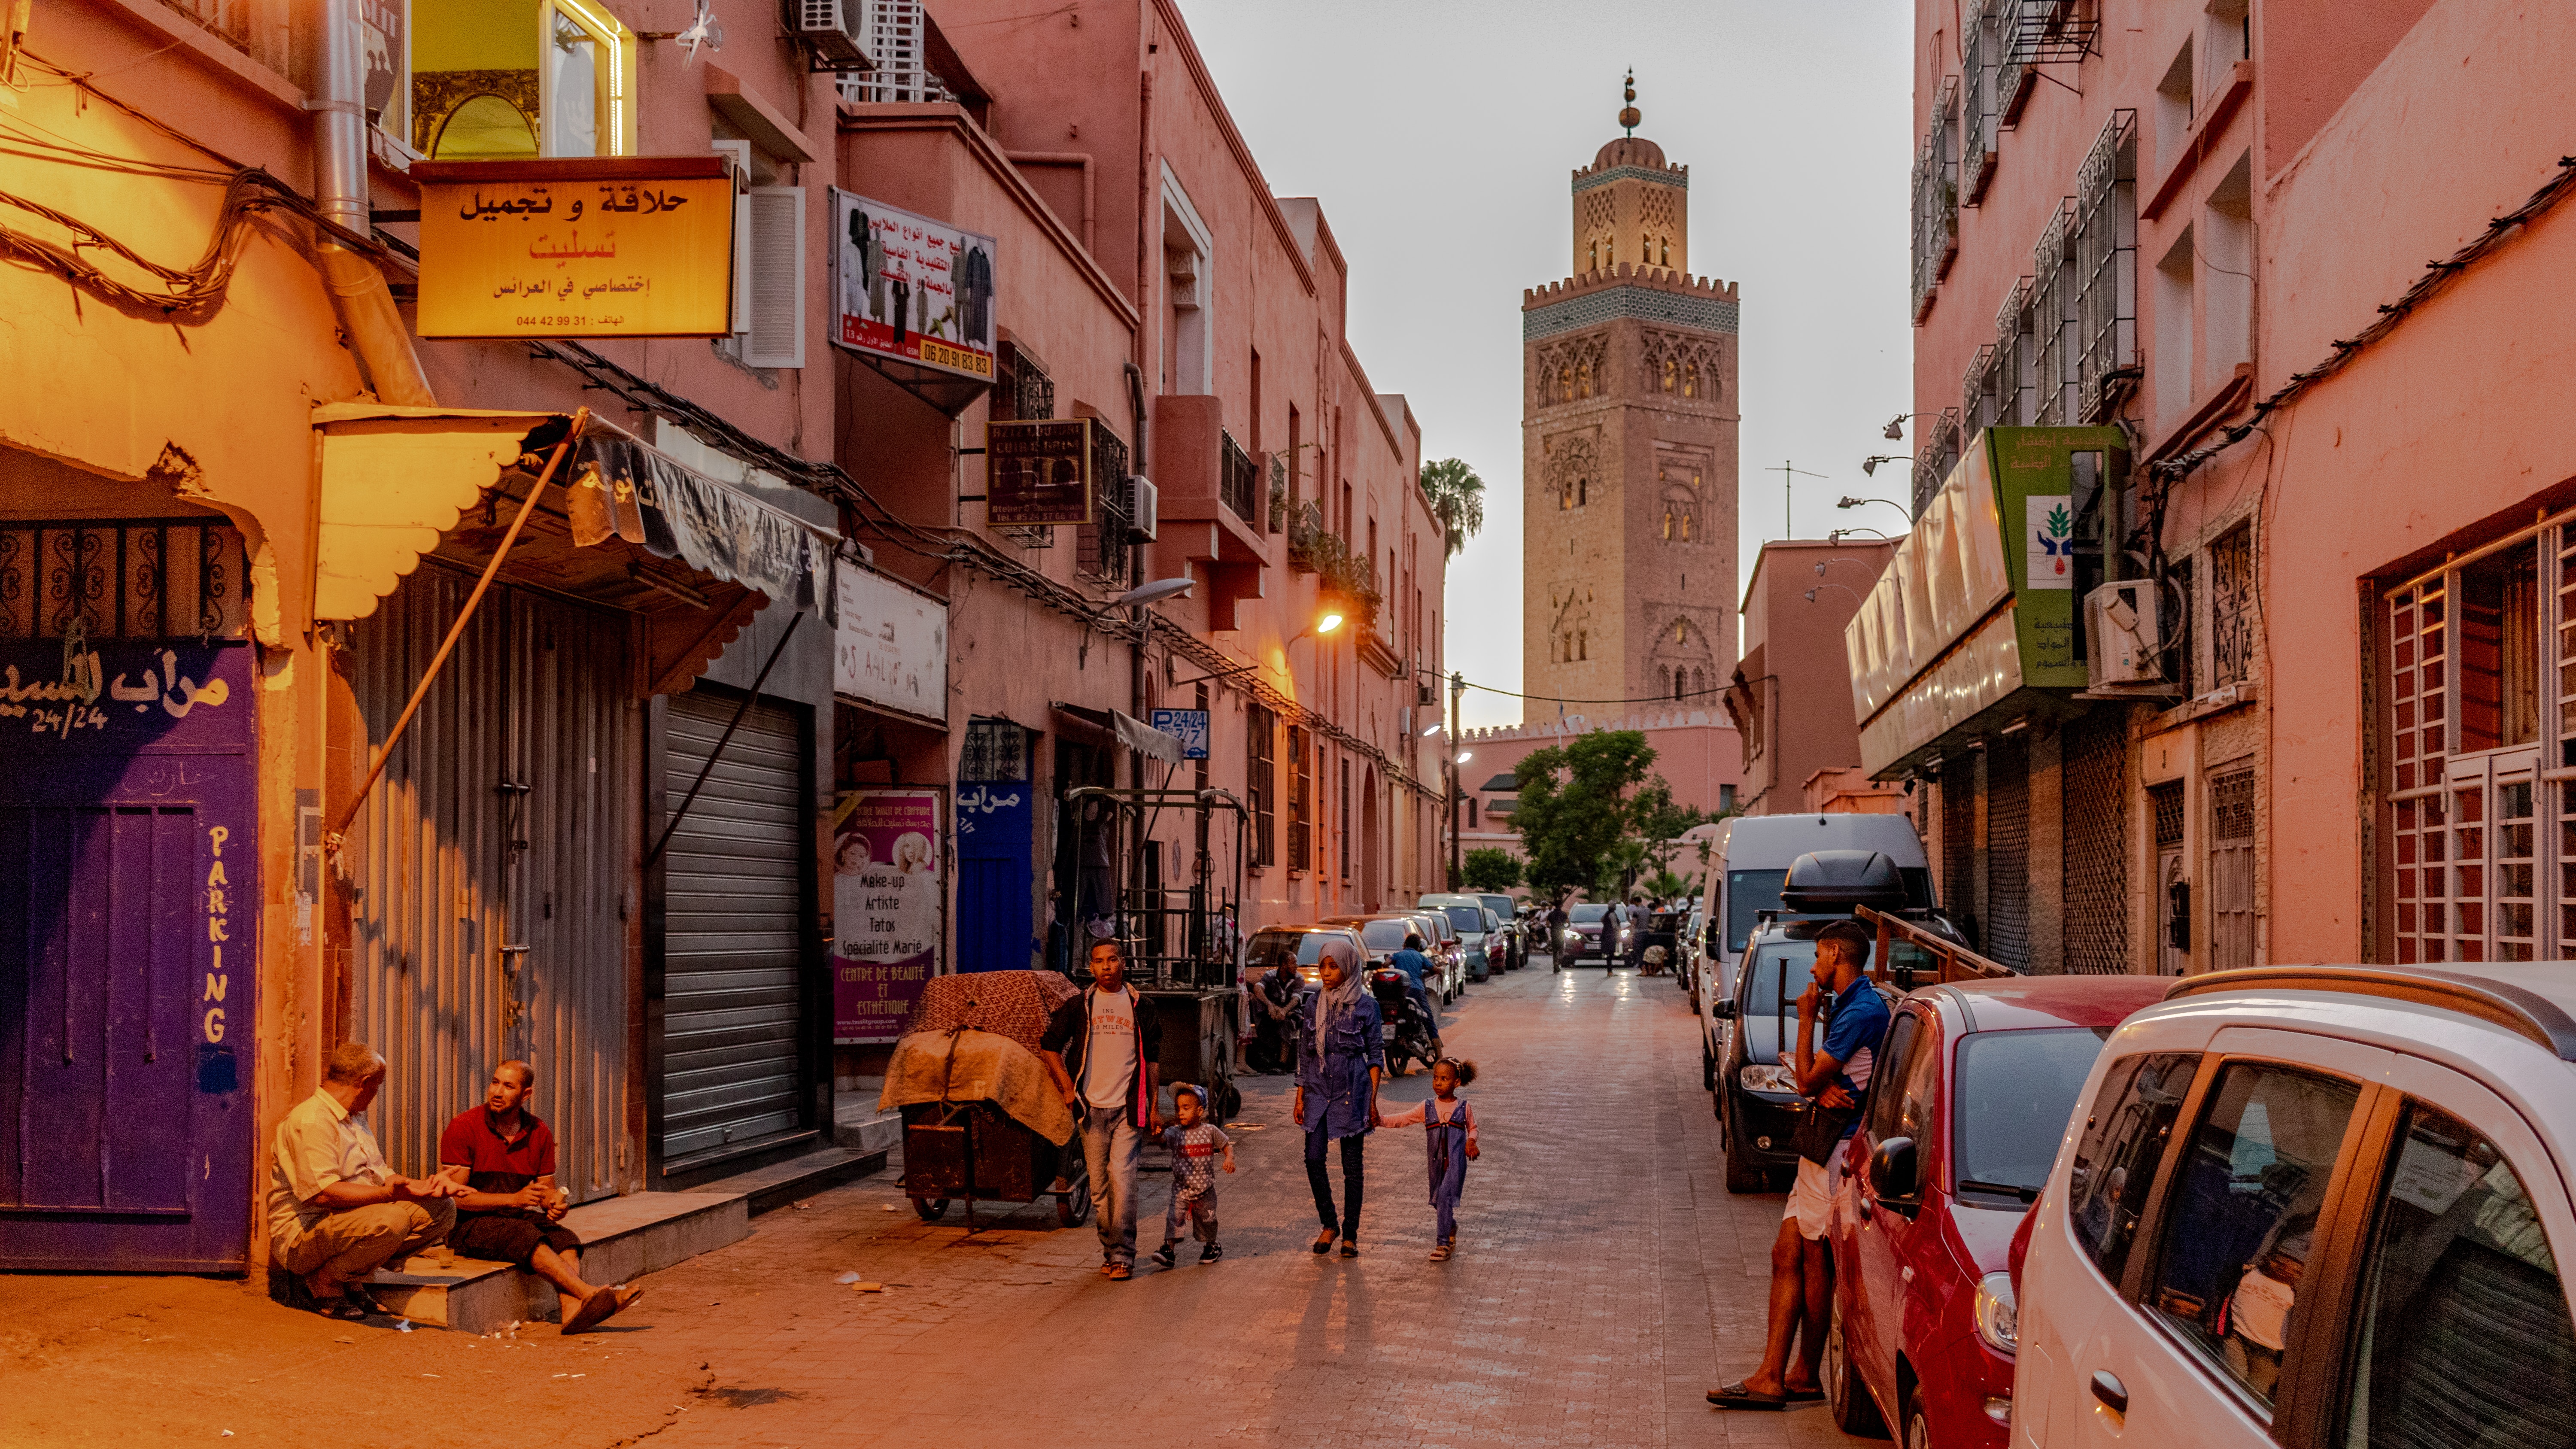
(1278, 494)
(1959, 841)
(1977, 392)
(2008, 851)
(1261, 783)
(2231, 870)
(1300, 799)
(136, 578)
(1238, 483)
(2013, 358)
(2095, 831)
(2231, 606)
(1940, 455)
(2166, 802)
(2052, 320)
(1936, 198)
(2106, 259)
(1024, 392)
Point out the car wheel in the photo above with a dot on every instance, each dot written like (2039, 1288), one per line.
(1707, 1067)
(1918, 1423)
(1854, 1411)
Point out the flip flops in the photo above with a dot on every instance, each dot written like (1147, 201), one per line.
(339, 1310)
(1736, 1396)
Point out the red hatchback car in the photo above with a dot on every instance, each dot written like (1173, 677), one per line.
(1970, 1098)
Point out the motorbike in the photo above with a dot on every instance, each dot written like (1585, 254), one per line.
(1407, 1031)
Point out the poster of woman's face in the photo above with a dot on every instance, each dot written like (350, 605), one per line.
(853, 857)
(912, 852)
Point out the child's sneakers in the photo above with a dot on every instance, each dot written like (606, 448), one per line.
(1211, 1252)
(1163, 1256)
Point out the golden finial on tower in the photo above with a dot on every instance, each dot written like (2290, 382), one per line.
(1628, 114)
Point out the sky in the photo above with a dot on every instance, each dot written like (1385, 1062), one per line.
(1440, 136)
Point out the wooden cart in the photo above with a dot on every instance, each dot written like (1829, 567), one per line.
(972, 1150)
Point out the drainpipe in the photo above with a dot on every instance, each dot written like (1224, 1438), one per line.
(359, 297)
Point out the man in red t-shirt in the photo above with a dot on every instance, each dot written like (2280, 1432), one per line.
(511, 1211)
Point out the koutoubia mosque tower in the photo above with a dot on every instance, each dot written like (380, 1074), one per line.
(1628, 430)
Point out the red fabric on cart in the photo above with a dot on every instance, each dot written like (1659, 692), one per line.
(1015, 1004)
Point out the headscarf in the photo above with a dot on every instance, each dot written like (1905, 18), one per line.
(1333, 1002)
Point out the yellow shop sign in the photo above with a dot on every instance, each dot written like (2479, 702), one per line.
(627, 246)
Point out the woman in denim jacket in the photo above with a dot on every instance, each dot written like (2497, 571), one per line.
(1340, 1057)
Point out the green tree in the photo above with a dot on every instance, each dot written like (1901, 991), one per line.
(1667, 886)
(1491, 868)
(1457, 499)
(1574, 806)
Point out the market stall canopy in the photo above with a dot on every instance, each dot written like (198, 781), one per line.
(1118, 730)
(633, 527)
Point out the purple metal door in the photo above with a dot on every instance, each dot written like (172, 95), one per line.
(128, 913)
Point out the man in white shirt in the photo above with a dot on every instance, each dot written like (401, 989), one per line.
(336, 1212)
(1112, 1039)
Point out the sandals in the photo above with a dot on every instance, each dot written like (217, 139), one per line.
(357, 1293)
(340, 1310)
(1323, 1243)
(1440, 1254)
(1736, 1396)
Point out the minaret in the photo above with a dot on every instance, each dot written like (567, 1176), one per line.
(1628, 451)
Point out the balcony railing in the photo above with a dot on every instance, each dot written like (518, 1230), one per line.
(229, 19)
(2106, 261)
(1102, 554)
(1238, 481)
(1936, 198)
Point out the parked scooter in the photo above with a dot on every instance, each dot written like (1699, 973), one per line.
(1408, 1031)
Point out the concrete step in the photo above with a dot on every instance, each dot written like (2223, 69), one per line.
(777, 1184)
(623, 1238)
(857, 1125)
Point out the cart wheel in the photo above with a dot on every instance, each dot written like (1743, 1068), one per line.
(1229, 1101)
(932, 1209)
(1072, 1208)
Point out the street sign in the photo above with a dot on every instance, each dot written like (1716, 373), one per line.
(1189, 726)
(614, 246)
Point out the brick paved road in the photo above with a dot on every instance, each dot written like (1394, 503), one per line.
(1604, 1277)
(1607, 1280)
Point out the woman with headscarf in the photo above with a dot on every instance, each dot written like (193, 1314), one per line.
(1339, 1061)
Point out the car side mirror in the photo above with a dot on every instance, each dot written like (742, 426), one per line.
(1710, 942)
(1722, 1010)
(1894, 1174)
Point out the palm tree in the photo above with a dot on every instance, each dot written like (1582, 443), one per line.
(1457, 499)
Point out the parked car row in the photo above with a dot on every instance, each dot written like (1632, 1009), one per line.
(1466, 939)
(2297, 1205)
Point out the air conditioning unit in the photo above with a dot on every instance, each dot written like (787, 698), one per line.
(1144, 506)
(2124, 634)
(1426, 694)
(832, 29)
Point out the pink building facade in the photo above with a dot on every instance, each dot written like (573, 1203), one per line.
(1787, 693)
(244, 502)
(2305, 257)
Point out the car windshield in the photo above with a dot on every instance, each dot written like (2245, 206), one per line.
(2014, 1093)
(1748, 894)
(1385, 935)
(1590, 913)
(1781, 970)
(1468, 919)
(1303, 948)
(1500, 905)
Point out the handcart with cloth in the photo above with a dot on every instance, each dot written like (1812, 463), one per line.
(982, 1116)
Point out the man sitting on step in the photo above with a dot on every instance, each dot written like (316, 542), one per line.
(502, 1161)
(336, 1212)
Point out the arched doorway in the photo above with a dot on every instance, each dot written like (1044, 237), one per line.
(1372, 847)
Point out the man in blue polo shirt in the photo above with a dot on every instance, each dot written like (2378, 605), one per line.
(1833, 1078)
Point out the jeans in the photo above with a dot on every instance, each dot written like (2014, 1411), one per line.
(1354, 1149)
(1110, 1147)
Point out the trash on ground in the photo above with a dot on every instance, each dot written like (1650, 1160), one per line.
(403, 1325)
(844, 1278)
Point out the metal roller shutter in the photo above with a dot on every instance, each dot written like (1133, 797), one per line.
(733, 937)
(2008, 851)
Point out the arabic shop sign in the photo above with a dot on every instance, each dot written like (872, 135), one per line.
(911, 288)
(579, 247)
(891, 644)
(115, 695)
(1038, 472)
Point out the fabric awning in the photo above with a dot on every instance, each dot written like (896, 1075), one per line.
(395, 480)
(631, 528)
(1116, 729)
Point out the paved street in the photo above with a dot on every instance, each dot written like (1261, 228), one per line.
(1605, 1279)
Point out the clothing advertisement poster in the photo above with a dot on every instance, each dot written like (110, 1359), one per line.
(911, 288)
(888, 908)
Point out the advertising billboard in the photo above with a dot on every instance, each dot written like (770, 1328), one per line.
(619, 246)
(888, 909)
(1038, 472)
(911, 288)
(891, 644)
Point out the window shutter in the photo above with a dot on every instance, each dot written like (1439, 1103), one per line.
(776, 335)
(741, 312)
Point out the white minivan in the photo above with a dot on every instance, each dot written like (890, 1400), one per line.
(1748, 863)
(2311, 1206)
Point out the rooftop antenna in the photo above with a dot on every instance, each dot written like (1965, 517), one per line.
(1628, 114)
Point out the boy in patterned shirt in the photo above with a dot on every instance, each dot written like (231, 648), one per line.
(1196, 1144)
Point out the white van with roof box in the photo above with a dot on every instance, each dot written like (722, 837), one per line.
(1748, 864)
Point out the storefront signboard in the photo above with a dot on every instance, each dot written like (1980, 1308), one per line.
(616, 246)
(891, 646)
(1038, 472)
(911, 288)
(889, 897)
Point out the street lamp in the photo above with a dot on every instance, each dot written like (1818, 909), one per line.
(1896, 426)
(1154, 592)
(1869, 465)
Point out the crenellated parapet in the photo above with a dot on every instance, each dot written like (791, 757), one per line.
(1647, 294)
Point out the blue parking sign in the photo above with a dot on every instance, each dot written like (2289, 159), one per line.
(1189, 726)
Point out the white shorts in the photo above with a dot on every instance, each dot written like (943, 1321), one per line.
(1811, 1202)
